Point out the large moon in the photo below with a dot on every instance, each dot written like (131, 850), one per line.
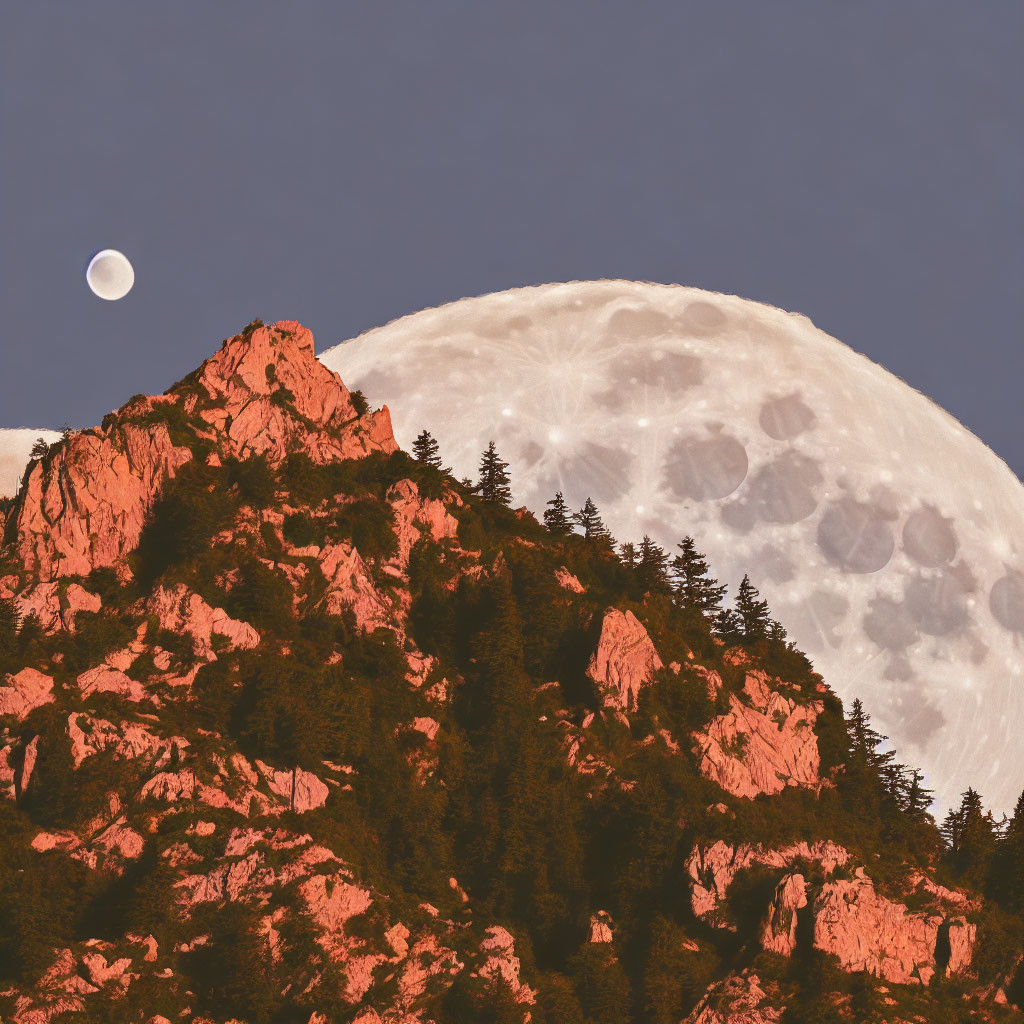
(110, 275)
(15, 450)
(887, 538)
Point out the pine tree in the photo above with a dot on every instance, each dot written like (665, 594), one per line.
(557, 517)
(628, 554)
(777, 632)
(589, 521)
(39, 448)
(493, 485)
(975, 840)
(1009, 873)
(728, 625)
(694, 586)
(652, 566)
(425, 449)
(752, 610)
(919, 799)
(864, 742)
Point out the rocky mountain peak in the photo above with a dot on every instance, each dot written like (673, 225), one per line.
(295, 727)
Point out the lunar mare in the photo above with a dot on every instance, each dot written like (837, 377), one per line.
(887, 538)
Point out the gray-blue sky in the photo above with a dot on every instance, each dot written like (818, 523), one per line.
(345, 164)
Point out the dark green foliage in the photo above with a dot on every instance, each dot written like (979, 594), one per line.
(588, 519)
(368, 523)
(557, 517)
(694, 586)
(301, 529)
(728, 625)
(652, 568)
(971, 837)
(425, 449)
(253, 479)
(362, 406)
(232, 973)
(8, 635)
(181, 524)
(602, 985)
(39, 898)
(753, 611)
(493, 483)
(39, 448)
(261, 596)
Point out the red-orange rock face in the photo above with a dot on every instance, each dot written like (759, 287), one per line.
(625, 660)
(263, 393)
(84, 507)
(269, 395)
(763, 744)
(868, 932)
(739, 999)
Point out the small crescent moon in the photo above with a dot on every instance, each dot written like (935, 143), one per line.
(110, 275)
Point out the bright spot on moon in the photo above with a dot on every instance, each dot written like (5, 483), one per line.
(110, 275)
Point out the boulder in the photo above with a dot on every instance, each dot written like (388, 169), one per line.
(501, 962)
(600, 927)
(24, 692)
(625, 659)
(106, 679)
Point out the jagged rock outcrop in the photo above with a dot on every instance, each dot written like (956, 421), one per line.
(568, 581)
(738, 999)
(624, 661)
(55, 606)
(417, 516)
(24, 691)
(499, 947)
(779, 933)
(267, 394)
(712, 869)
(181, 611)
(84, 505)
(764, 743)
(350, 587)
(868, 932)
(600, 927)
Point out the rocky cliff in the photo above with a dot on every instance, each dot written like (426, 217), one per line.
(295, 728)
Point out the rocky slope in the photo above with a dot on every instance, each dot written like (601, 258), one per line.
(295, 728)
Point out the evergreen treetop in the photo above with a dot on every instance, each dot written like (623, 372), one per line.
(425, 449)
(752, 610)
(557, 517)
(493, 485)
(694, 586)
(589, 521)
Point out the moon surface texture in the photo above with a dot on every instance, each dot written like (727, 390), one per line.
(110, 275)
(886, 537)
